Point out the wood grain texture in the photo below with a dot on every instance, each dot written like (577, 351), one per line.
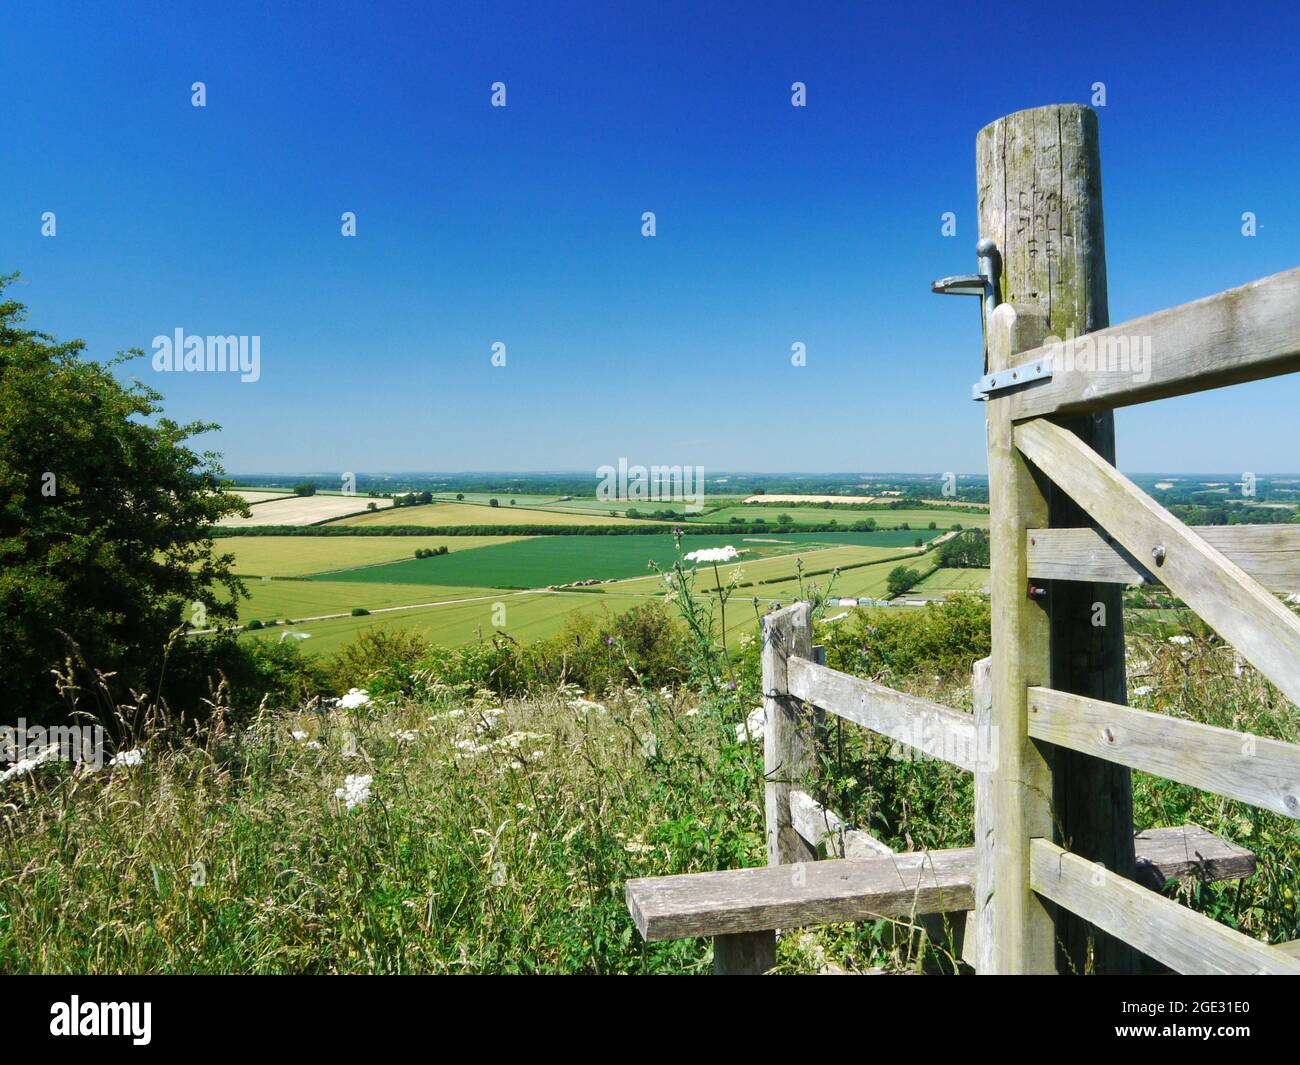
(788, 734)
(744, 953)
(1024, 936)
(978, 942)
(1170, 933)
(1230, 601)
(827, 832)
(806, 893)
(1269, 553)
(1237, 765)
(930, 727)
(1165, 854)
(1243, 334)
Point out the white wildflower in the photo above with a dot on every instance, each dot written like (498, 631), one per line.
(713, 554)
(470, 747)
(1180, 639)
(298, 735)
(405, 735)
(128, 759)
(753, 726)
(354, 698)
(312, 745)
(25, 765)
(1146, 689)
(694, 711)
(355, 791)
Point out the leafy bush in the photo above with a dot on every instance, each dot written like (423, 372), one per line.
(359, 612)
(901, 578)
(943, 638)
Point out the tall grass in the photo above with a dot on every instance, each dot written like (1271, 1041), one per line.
(499, 830)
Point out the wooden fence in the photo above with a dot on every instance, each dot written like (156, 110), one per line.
(1057, 881)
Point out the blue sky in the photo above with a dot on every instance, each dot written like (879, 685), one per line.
(523, 224)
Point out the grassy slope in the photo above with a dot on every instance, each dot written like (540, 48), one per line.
(954, 580)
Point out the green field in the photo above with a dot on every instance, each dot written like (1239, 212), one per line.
(946, 581)
(549, 560)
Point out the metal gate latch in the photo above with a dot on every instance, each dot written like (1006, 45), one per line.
(985, 285)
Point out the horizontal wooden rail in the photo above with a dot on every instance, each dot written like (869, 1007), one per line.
(824, 829)
(1243, 334)
(1237, 765)
(1235, 605)
(1165, 854)
(1186, 941)
(934, 729)
(808, 893)
(740, 901)
(1269, 553)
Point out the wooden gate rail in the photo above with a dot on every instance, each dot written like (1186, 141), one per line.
(1236, 765)
(1244, 334)
(1233, 603)
(1269, 553)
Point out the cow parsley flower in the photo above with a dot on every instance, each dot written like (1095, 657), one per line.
(355, 791)
(354, 698)
(1180, 639)
(25, 765)
(128, 759)
(753, 726)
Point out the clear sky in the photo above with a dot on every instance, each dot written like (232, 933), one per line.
(522, 224)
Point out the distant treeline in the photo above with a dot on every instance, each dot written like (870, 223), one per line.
(973, 488)
(1233, 514)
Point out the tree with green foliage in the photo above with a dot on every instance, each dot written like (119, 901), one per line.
(966, 550)
(308, 488)
(105, 517)
(900, 579)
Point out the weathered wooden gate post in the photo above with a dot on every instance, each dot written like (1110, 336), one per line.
(788, 753)
(1040, 202)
